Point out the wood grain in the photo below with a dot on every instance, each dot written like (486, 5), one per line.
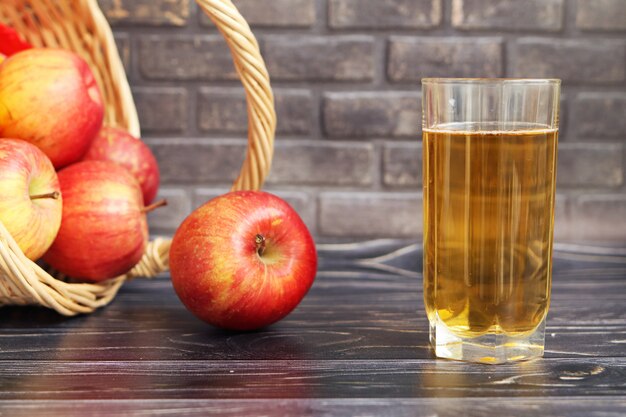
(362, 407)
(333, 322)
(308, 379)
(357, 345)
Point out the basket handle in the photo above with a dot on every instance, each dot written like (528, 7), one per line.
(253, 74)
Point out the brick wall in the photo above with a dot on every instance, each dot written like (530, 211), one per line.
(346, 74)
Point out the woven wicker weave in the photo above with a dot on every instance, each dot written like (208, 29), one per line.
(79, 25)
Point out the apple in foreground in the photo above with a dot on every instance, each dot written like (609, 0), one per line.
(243, 260)
(104, 230)
(117, 145)
(30, 198)
(49, 97)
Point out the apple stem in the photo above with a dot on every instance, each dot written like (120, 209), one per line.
(160, 203)
(260, 244)
(54, 195)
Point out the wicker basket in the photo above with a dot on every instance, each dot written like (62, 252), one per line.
(79, 25)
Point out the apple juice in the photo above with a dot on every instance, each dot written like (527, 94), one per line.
(488, 221)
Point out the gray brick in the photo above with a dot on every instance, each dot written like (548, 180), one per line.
(370, 214)
(562, 226)
(195, 161)
(384, 14)
(224, 110)
(294, 109)
(372, 114)
(273, 13)
(585, 61)
(302, 202)
(540, 15)
(599, 115)
(320, 58)
(601, 14)
(167, 219)
(598, 218)
(411, 59)
(122, 41)
(590, 165)
(402, 165)
(161, 109)
(185, 57)
(314, 163)
(564, 111)
(146, 12)
(376, 172)
(280, 13)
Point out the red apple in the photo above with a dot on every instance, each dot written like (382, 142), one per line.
(11, 41)
(243, 260)
(30, 199)
(49, 97)
(104, 230)
(117, 145)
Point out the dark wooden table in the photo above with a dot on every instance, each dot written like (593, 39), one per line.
(357, 345)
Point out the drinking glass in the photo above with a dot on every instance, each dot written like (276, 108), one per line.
(489, 173)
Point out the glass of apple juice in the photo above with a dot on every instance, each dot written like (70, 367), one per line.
(489, 172)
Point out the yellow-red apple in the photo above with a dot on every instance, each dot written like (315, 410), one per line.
(104, 230)
(117, 145)
(30, 198)
(49, 97)
(242, 261)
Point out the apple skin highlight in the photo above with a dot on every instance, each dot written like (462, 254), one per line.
(224, 277)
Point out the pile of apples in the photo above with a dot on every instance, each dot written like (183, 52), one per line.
(72, 192)
(76, 194)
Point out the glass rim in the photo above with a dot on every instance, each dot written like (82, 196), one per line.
(437, 80)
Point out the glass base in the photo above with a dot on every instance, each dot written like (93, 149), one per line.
(490, 348)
